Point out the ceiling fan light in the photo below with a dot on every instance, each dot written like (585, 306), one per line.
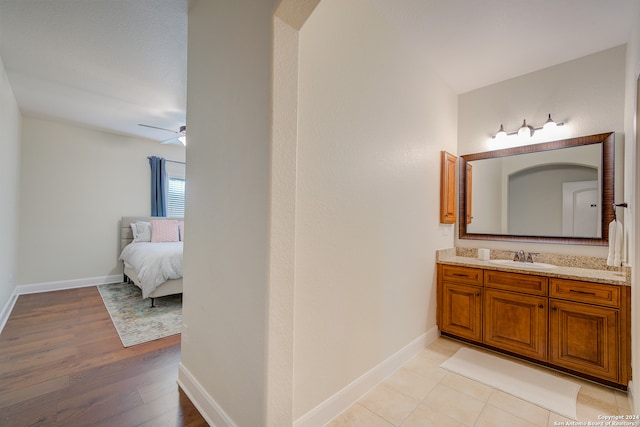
(181, 134)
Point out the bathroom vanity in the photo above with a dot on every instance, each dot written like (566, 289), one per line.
(572, 319)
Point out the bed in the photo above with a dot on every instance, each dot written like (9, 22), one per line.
(142, 264)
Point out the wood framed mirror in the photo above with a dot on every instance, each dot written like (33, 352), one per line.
(553, 192)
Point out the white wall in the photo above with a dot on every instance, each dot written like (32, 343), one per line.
(367, 174)
(373, 118)
(9, 190)
(227, 251)
(75, 185)
(587, 93)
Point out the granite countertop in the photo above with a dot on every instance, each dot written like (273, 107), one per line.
(564, 272)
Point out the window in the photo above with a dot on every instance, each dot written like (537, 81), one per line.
(175, 186)
(175, 197)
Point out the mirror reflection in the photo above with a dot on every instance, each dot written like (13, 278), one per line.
(557, 191)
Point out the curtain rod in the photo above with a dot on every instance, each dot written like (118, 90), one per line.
(172, 161)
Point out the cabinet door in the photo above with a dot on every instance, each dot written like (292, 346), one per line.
(461, 313)
(584, 338)
(516, 322)
(447, 188)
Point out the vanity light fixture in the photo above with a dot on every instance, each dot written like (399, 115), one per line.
(501, 133)
(550, 124)
(526, 130)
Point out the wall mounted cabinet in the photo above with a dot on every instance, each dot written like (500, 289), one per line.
(447, 188)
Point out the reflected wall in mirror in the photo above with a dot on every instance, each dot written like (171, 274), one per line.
(554, 192)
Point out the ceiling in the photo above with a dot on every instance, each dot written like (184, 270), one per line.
(475, 43)
(108, 64)
(112, 64)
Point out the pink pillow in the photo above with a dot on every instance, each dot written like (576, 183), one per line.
(181, 228)
(164, 230)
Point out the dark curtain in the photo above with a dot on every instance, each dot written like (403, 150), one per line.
(158, 185)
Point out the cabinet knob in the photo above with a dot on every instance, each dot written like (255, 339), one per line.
(541, 306)
(554, 308)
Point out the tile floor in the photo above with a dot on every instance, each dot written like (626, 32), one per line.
(421, 393)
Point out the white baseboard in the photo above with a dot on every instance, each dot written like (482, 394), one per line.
(326, 411)
(631, 397)
(336, 404)
(35, 288)
(212, 413)
(6, 310)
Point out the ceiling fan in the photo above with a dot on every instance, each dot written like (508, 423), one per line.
(181, 135)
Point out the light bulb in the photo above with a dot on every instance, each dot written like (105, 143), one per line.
(525, 130)
(549, 124)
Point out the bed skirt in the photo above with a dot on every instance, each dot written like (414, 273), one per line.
(170, 287)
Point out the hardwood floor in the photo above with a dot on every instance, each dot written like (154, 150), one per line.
(62, 364)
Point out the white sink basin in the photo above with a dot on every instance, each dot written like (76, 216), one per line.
(525, 265)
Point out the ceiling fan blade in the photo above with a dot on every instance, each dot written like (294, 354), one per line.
(172, 141)
(159, 128)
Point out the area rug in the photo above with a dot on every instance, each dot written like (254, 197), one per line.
(134, 318)
(540, 388)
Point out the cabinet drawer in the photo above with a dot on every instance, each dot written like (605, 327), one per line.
(471, 276)
(534, 285)
(591, 293)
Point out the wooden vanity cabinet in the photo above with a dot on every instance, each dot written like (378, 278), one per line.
(515, 307)
(460, 297)
(516, 323)
(589, 328)
(580, 326)
(584, 338)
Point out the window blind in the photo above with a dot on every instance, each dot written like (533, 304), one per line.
(175, 197)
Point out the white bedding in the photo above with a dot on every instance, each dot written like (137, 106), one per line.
(155, 263)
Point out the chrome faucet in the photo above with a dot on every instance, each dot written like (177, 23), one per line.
(530, 256)
(522, 256)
